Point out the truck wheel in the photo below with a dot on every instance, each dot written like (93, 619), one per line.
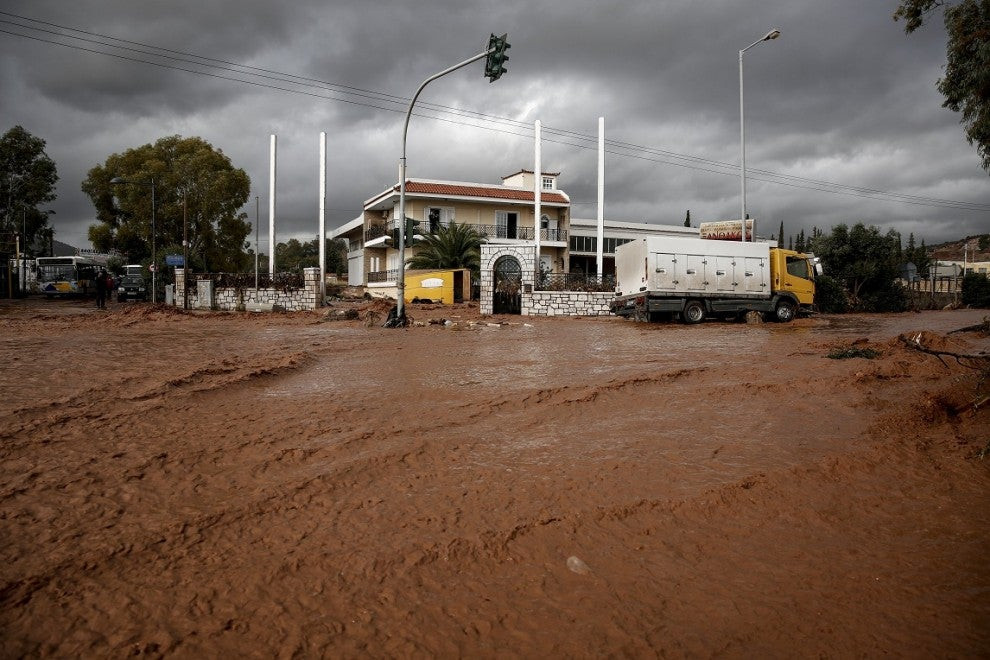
(785, 311)
(694, 312)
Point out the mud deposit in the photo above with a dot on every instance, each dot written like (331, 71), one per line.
(236, 485)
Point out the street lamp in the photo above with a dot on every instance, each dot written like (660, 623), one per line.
(494, 68)
(772, 34)
(117, 181)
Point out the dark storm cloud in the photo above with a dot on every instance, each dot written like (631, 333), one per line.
(843, 96)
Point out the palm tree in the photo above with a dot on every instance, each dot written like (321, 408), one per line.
(452, 246)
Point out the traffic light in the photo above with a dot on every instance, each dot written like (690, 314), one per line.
(495, 64)
(410, 230)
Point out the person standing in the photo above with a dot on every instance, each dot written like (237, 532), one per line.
(101, 289)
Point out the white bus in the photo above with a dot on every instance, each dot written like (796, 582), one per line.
(68, 276)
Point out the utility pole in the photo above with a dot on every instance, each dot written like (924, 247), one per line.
(257, 246)
(185, 253)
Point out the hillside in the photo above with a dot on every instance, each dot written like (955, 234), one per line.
(953, 250)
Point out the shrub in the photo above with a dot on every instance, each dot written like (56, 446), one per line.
(830, 295)
(892, 298)
(976, 290)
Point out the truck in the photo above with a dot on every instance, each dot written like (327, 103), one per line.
(695, 278)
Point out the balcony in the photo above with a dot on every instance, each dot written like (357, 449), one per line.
(380, 276)
(378, 230)
(553, 235)
(498, 231)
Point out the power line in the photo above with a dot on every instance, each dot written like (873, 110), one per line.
(312, 87)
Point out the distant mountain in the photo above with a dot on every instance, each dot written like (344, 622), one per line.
(953, 250)
(63, 249)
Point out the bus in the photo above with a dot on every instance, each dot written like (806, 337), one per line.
(68, 276)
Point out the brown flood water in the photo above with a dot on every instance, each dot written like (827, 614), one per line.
(194, 485)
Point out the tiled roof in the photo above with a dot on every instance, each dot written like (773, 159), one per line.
(500, 192)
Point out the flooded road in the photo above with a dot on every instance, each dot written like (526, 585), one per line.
(187, 485)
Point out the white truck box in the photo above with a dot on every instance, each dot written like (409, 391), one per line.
(692, 267)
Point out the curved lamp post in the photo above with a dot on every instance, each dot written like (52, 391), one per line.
(117, 181)
(772, 34)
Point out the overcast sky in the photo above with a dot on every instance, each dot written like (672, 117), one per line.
(843, 121)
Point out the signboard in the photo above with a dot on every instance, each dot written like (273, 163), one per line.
(730, 230)
(174, 260)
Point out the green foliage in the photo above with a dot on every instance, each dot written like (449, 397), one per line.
(967, 68)
(115, 265)
(687, 219)
(865, 262)
(892, 298)
(27, 180)
(984, 243)
(453, 246)
(183, 169)
(294, 256)
(830, 295)
(915, 12)
(976, 290)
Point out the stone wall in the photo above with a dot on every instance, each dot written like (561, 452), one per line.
(230, 299)
(537, 303)
(567, 303)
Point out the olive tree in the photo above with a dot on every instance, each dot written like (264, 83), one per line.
(27, 180)
(966, 84)
(866, 263)
(192, 180)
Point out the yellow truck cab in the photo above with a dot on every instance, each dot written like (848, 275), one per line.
(794, 273)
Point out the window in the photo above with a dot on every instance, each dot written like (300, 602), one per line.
(798, 267)
(584, 243)
(437, 216)
(611, 243)
(506, 224)
(548, 183)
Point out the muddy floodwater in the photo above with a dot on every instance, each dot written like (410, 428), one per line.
(257, 485)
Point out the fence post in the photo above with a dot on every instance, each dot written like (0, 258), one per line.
(311, 284)
(180, 286)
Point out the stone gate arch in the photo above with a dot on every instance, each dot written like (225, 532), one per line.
(491, 256)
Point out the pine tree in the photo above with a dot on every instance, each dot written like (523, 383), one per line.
(687, 220)
(921, 259)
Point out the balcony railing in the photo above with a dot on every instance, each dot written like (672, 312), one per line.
(553, 235)
(383, 276)
(487, 231)
(575, 282)
(497, 231)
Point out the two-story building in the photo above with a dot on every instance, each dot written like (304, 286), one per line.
(498, 212)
